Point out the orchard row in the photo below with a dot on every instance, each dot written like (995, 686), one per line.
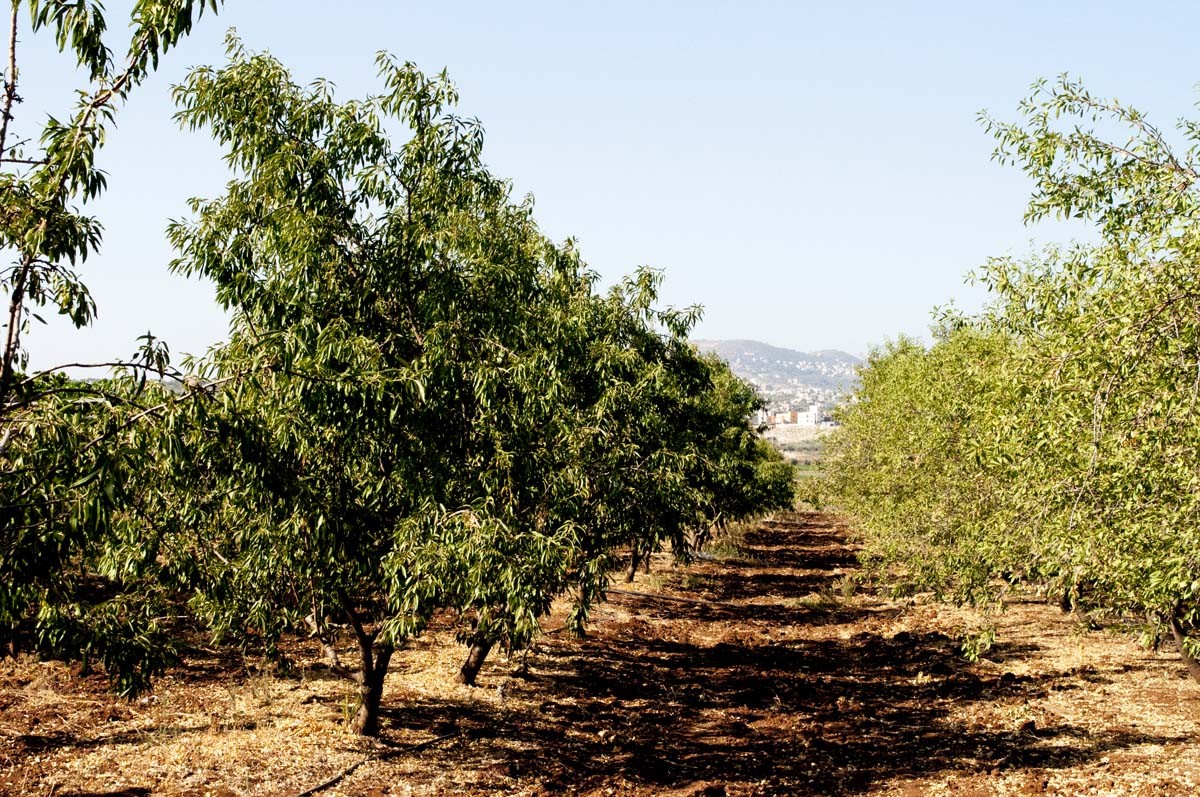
(1053, 439)
(424, 406)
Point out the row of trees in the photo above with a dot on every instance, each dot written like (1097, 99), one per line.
(1054, 438)
(424, 405)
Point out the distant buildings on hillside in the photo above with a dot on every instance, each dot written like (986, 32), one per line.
(800, 388)
(814, 415)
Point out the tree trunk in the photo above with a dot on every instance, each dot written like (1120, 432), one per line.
(331, 656)
(322, 635)
(1071, 603)
(1154, 620)
(375, 662)
(1180, 635)
(635, 559)
(476, 654)
(12, 342)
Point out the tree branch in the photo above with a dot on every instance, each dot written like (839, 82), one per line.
(12, 340)
(10, 85)
(176, 375)
(86, 389)
(157, 408)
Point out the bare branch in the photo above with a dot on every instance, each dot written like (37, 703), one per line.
(10, 85)
(76, 388)
(172, 374)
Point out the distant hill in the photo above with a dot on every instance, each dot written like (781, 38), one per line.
(775, 369)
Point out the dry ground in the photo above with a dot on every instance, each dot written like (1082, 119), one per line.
(753, 675)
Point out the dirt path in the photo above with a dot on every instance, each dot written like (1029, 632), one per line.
(759, 674)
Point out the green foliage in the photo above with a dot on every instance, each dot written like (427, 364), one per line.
(423, 404)
(977, 641)
(1052, 440)
(913, 463)
(40, 223)
(78, 572)
(79, 528)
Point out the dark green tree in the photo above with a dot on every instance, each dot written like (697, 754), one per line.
(393, 386)
(424, 404)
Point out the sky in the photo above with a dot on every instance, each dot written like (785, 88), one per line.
(813, 174)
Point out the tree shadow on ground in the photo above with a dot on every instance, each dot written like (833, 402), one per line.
(834, 716)
(752, 585)
(823, 717)
(818, 557)
(32, 743)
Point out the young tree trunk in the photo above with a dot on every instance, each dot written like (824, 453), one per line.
(1071, 603)
(1180, 635)
(12, 342)
(635, 559)
(1154, 620)
(326, 640)
(375, 660)
(476, 655)
(331, 655)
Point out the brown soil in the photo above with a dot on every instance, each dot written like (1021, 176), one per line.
(760, 674)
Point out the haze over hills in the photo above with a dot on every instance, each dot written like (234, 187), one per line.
(786, 376)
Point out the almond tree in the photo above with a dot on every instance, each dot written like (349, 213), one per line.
(425, 405)
(919, 463)
(645, 441)
(1113, 347)
(392, 313)
(1052, 439)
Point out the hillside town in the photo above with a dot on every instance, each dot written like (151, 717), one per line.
(801, 388)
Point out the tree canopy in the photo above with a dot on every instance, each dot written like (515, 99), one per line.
(1051, 440)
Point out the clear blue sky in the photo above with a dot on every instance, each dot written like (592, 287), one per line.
(812, 173)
